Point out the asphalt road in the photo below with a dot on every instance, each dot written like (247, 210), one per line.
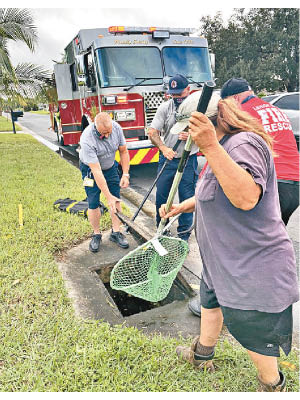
(39, 124)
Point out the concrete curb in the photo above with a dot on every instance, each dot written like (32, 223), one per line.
(136, 199)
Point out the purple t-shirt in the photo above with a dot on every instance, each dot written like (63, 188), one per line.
(248, 258)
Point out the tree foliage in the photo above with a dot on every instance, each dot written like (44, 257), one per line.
(260, 45)
(26, 79)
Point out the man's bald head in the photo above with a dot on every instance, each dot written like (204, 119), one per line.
(103, 124)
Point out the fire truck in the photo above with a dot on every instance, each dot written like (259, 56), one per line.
(124, 71)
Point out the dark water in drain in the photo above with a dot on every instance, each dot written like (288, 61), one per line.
(129, 305)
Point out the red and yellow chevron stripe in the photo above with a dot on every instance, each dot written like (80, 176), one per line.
(141, 156)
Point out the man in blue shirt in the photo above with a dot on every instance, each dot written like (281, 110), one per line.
(160, 136)
(98, 145)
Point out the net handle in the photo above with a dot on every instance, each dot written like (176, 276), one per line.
(201, 107)
(166, 227)
(154, 183)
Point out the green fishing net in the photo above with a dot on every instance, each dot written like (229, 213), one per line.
(149, 271)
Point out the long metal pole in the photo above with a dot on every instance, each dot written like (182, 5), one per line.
(202, 107)
(154, 183)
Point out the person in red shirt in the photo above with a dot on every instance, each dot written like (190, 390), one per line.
(277, 124)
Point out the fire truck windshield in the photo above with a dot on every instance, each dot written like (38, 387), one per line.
(192, 62)
(119, 66)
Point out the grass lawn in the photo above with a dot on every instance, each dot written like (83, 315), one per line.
(43, 346)
(43, 112)
(6, 125)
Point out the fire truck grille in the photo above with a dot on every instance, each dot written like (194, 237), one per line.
(152, 101)
(150, 115)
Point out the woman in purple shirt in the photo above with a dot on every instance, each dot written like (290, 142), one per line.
(249, 277)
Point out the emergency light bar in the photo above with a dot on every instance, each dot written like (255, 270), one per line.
(161, 34)
(116, 29)
(162, 31)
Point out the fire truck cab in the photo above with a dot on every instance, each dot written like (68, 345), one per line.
(124, 71)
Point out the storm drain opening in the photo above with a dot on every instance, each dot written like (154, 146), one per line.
(130, 305)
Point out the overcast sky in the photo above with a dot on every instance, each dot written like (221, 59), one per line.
(56, 27)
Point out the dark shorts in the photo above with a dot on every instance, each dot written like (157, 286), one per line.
(257, 331)
(112, 178)
(288, 198)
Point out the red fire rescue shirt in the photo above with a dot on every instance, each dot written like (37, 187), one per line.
(277, 124)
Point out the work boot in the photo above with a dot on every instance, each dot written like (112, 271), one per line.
(194, 305)
(119, 238)
(95, 242)
(268, 387)
(197, 360)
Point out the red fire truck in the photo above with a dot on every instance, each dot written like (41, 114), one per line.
(124, 71)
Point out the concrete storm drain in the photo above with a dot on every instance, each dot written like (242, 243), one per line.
(87, 277)
(129, 305)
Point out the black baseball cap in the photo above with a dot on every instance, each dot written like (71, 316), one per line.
(177, 84)
(234, 86)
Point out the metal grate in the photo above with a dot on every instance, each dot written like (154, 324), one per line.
(152, 100)
(150, 113)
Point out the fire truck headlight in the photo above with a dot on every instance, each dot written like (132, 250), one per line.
(109, 100)
(125, 115)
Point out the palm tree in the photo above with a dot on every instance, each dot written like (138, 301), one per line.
(26, 79)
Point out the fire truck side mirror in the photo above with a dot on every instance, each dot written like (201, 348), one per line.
(80, 67)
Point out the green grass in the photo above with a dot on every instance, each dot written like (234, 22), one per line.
(43, 112)
(43, 346)
(6, 125)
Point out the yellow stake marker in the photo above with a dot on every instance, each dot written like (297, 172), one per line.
(21, 216)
